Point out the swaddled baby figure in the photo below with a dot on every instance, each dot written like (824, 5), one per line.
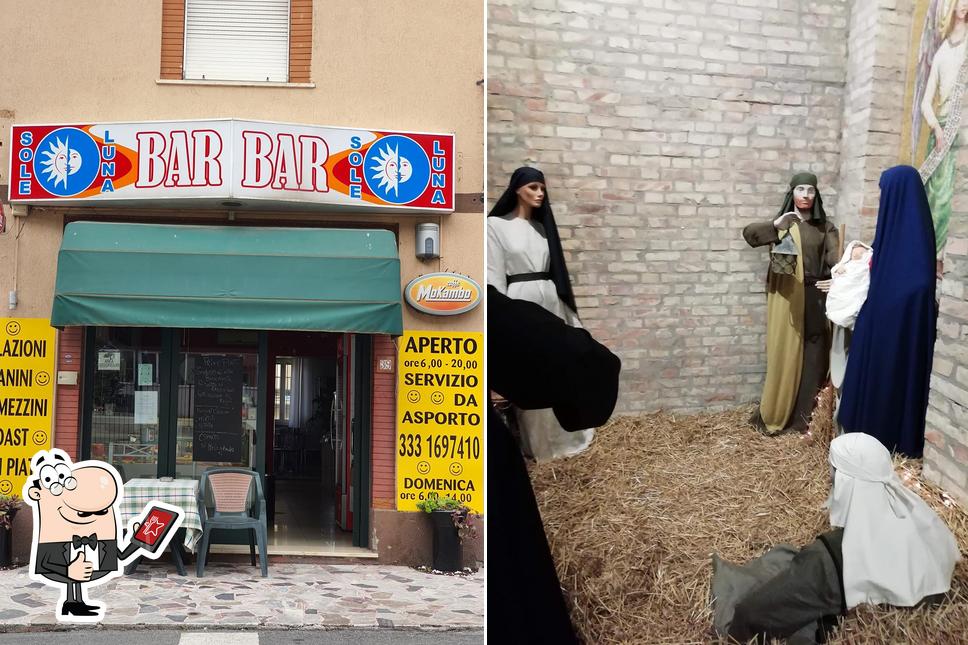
(849, 280)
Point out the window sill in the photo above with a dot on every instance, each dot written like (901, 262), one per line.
(166, 81)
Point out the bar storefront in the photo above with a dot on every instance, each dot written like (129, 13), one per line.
(231, 293)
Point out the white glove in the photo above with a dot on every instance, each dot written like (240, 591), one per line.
(785, 221)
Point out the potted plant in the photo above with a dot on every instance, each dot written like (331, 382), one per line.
(9, 505)
(452, 522)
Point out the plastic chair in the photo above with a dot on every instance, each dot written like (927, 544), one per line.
(234, 508)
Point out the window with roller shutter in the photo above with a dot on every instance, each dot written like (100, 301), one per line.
(237, 40)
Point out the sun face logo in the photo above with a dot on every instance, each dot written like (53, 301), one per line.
(67, 162)
(397, 169)
(61, 162)
(391, 169)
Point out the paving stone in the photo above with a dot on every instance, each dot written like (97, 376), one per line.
(357, 595)
(8, 614)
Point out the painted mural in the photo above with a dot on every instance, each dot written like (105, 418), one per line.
(937, 78)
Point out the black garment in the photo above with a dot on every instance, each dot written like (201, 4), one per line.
(809, 590)
(53, 559)
(535, 361)
(508, 201)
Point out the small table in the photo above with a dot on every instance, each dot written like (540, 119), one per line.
(140, 492)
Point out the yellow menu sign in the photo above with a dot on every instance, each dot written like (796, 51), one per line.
(440, 410)
(26, 396)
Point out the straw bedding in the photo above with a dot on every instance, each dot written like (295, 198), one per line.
(633, 521)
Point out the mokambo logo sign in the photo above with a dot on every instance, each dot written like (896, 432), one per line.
(443, 294)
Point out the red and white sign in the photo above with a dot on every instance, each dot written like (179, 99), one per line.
(228, 159)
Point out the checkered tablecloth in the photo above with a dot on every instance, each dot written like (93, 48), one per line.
(138, 493)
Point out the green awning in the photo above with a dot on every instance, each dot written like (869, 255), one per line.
(235, 277)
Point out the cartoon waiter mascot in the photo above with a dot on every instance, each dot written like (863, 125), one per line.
(76, 520)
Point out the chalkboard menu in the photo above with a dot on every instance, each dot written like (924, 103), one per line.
(217, 433)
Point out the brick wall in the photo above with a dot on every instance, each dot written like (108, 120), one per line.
(663, 127)
(880, 34)
(384, 427)
(172, 38)
(300, 40)
(946, 437)
(67, 398)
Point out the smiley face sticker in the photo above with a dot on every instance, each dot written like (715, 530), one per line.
(437, 398)
(423, 467)
(455, 469)
(6, 486)
(40, 438)
(13, 327)
(413, 396)
(43, 378)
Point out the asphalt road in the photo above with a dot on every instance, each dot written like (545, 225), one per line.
(95, 636)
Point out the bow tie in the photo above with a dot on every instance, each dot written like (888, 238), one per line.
(79, 540)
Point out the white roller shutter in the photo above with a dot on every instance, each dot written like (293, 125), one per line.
(237, 40)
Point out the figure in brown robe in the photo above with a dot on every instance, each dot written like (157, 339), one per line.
(798, 334)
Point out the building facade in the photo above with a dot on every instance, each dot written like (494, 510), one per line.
(265, 171)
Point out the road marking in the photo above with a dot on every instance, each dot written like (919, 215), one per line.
(219, 638)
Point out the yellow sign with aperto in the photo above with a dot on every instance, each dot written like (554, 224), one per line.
(440, 410)
(26, 396)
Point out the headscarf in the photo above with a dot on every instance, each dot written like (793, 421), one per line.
(817, 213)
(896, 550)
(848, 291)
(904, 230)
(509, 201)
(886, 385)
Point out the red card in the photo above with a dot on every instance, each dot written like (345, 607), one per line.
(154, 527)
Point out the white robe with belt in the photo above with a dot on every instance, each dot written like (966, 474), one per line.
(514, 246)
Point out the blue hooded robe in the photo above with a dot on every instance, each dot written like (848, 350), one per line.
(885, 390)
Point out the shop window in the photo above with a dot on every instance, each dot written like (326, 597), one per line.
(124, 424)
(237, 40)
(173, 402)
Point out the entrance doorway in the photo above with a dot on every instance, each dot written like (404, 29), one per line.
(298, 412)
(307, 392)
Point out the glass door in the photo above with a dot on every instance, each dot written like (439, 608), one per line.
(124, 423)
(217, 410)
(172, 401)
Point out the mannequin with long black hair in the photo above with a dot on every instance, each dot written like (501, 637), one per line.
(525, 262)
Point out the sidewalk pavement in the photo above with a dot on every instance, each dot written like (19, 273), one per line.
(233, 595)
